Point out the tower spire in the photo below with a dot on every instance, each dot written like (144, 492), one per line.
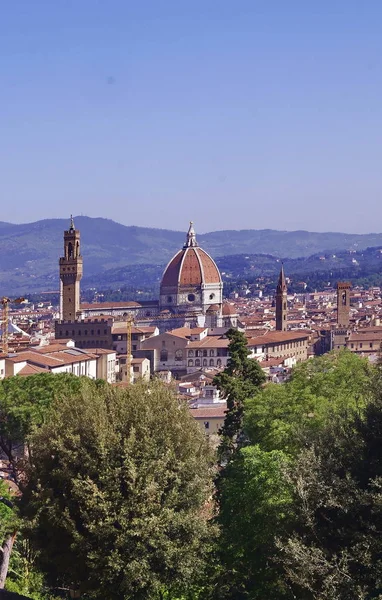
(72, 228)
(191, 237)
(281, 302)
(281, 285)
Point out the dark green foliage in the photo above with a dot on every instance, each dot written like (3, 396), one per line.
(257, 500)
(282, 415)
(24, 404)
(241, 379)
(255, 504)
(335, 550)
(117, 493)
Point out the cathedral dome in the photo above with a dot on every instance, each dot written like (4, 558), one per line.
(191, 266)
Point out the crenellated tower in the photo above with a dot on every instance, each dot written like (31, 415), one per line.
(281, 302)
(70, 274)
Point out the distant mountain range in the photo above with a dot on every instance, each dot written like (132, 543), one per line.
(29, 252)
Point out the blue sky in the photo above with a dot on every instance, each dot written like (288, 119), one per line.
(236, 114)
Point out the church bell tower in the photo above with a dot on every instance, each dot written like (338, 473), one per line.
(281, 302)
(70, 274)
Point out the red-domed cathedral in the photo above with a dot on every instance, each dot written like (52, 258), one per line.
(191, 283)
(191, 292)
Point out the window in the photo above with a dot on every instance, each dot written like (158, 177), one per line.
(190, 353)
(179, 355)
(190, 363)
(169, 299)
(206, 424)
(86, 331)
(197, 362)
(218, 362)
(204, 362)
(136, 369)
(211, 362)
(163, 355)
(98, 332)
(204, 352)
(211, 353)
(212, 296)
(191, 297)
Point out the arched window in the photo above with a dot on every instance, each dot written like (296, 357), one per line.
(70, 250)
(190, 363)
(212, 353)
(163, 355)
(179, 355)
(211, 362)
(197, 363)
(190, 353)
(204, 362)
(198, 353)
(204, 352)
(218, 362)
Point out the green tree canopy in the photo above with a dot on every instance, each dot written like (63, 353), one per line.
(118, 493)
(280, 416)
(334, 550)
(241, 379)
(256, 500)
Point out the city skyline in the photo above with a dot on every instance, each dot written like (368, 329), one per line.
(245, 116)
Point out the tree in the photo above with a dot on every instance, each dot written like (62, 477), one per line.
(241, 379)
(282, 415)
(118, 491)
(24, 404)
(335, 549)
(257, 503)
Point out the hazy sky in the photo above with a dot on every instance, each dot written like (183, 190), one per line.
(234, 113)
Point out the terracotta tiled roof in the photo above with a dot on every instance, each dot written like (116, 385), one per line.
(229, 309)
(278, 337)
(190, 267)
(30, 370)
(213, 412)
(108, 305)
(209, 342)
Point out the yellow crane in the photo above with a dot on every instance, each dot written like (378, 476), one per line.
(5, 302)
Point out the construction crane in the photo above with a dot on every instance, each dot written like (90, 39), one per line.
(5, 302)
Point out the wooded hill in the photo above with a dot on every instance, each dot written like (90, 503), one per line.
(29, 252)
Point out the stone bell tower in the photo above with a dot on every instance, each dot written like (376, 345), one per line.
(70, 274)
(281, 302)
(343, 303)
